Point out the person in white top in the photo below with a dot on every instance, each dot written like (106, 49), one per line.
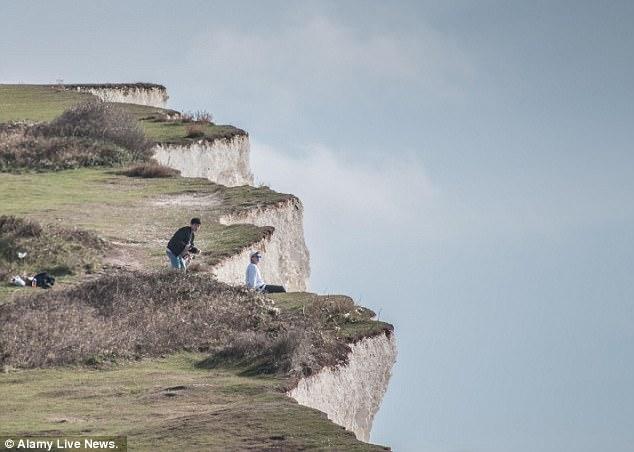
(254, 277)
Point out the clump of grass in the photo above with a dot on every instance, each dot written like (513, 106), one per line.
(194, 130)
(199, 116)
(59, 251)
(298, 350)
(151, 170)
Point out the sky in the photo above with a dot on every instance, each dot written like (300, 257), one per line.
(466, 169)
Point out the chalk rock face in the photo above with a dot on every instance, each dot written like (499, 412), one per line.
(223, 161)
(286, 259)
(351, 394)
(150, 95)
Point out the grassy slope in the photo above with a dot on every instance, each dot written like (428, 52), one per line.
(36, 102)
(43, 103)
(139, 214)
(166, 403)
(351, 328)
(174, 131)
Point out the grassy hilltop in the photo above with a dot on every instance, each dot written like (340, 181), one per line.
(45, 103)
(122, 347)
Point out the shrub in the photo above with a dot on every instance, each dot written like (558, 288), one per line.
(59, 251)
(101, 121)
(194, 130)
(54, 154)
(126, 315)
(293, 351)
(10, 225)
(151, 170)
(133, 315)
(199, 116)
(37, 147)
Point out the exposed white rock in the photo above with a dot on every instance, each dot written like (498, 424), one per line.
(223, 161)
(152, 96)
(351, 394)
(286, 259)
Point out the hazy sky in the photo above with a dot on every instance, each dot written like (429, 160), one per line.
(467, 171)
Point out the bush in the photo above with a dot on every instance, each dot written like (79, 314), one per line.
(101, 121)
(295, 351)
(133, 315)
(194, 130)
(52, 147)
(59, 251)
(199, 116)
(10, 225)
(126, 315)
(151, 170)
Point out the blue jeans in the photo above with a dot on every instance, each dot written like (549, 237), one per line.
(176, 262)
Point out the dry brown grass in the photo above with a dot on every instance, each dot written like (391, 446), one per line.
(22, 148)
(58, 250)
(199, 116)
(101, 121)
(86, 135)
(194, 130)
(151, 170)
(135, 315)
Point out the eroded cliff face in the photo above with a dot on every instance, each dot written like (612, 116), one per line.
(286, 259)
(150, 95)
(223, 161)
(351, 394)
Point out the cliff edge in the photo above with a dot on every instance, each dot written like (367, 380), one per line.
(295, 346)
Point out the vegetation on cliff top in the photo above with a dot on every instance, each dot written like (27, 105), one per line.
(47, 102)
(137, 214)
(86, 134)
(222, 358)
(167, 404)
(123, 86)
(26, 248)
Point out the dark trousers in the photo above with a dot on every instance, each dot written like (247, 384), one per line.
(269, 288)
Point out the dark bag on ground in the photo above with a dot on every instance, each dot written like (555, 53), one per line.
(44, 280)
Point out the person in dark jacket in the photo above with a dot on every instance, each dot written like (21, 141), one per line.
(181, 244)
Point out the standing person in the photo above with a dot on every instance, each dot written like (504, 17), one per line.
(254, 277)
(181, 244)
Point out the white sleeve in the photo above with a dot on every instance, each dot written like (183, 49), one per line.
(251, 276)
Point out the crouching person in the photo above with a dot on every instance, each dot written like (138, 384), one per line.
(181, 245)
(254, 277)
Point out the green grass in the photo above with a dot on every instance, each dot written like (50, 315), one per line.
(139, 215)
(166, 404)
(350, 322)
(36, 102)
(44, 103)
(158, 129)
(94, 189)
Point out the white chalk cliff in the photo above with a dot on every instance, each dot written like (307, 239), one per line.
(223, 161)
(349, 394)
(286, 260)
(141, 94)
